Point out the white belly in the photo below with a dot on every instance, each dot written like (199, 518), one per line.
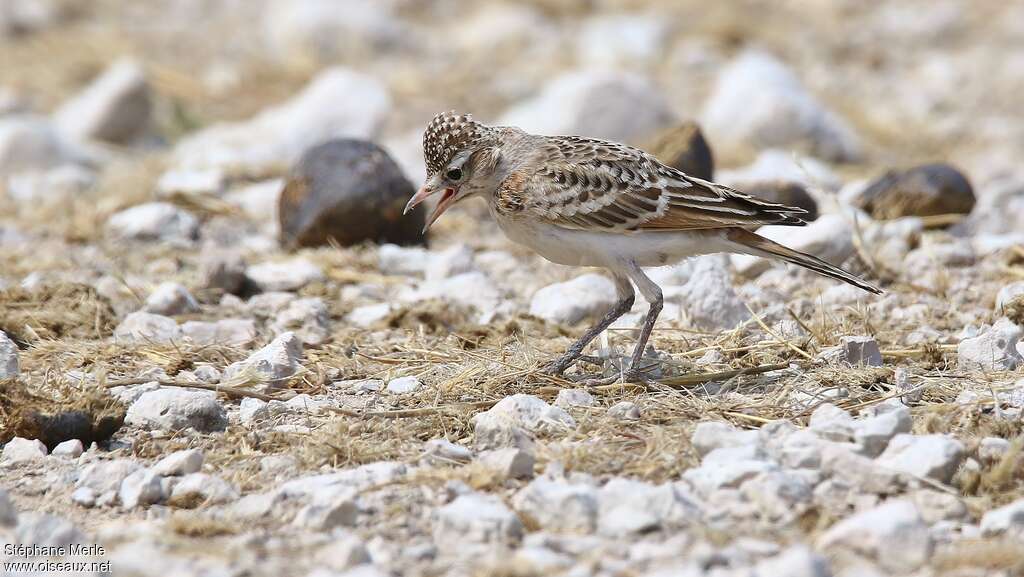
(607, 249)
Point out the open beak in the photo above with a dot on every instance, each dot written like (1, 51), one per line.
(426, 192)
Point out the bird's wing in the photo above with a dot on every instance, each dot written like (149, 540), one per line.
(589, 184)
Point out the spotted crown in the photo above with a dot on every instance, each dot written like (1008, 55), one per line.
(447, 134)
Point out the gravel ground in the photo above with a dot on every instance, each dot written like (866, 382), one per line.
(189, 387)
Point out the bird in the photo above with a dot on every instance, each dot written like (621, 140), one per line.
(588, 202)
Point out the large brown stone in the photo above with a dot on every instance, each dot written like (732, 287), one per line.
(683, 147)
(787, 193)
(350, 191)
(926, 190)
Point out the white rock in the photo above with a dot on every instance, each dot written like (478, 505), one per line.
(308, 318)
(180, 463)
(995, 349)
(628, 507)
(476, 518)
(839, 461)
(176, 409)
(362, 477)
(403, 260)
(343, 552)
(288, 275)
(508, 463)
(859, 351)
(337, 103)
(203, 488)
(145, 328)
(624, 410)
(610, 105)
(445, 451)
(589, 296)
(757, 101)
(513, 419)
(933, 456)
(190, 183)
(874, 432)
(1006, 520)
(30, 142)
(403, 385)
(726, 468)
(774, 165)
(454, 260)
(574, 398)
(276, 363)
(340, 510)
(609, 40)
(323, 30)
(367, 315)
(154, 221)
(8, 357)
(471, 289)
(258, 202)
(142, 487)
(992, 449)
(170, 298)
(796, 561)
(8, 514)
(779, 496)
(19, 450)
(61, 184)
(892, 535)
(558, 506)
(708, 298)
(222, 269)
(46, 530)
(104, 478)
(115, 107)
(1007, 294)
(830, 422)
(829, 238)
(711, 435)
(71, 449)
(226, 332)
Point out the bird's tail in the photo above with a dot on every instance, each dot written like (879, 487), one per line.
(760, 246)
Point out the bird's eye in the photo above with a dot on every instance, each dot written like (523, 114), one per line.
(454, 174)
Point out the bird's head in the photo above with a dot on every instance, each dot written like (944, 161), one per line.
(461, 156)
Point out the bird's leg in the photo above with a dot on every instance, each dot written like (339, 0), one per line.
(651, 292)
(626, 298)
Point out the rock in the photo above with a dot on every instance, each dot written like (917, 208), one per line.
(711, 435)
(624, 410)
(403, 385)
(347, 191)
(574, 398)
(994, 349)
(8, 358)
(708, 297)
(874, 432)
(937, 506)
(509, 463)
(452, 261)
(190, 183)
(308, 318)
(343, 552)
(46, 530)
(513, 421)
(258, 202)
(992, 449)
(476, 518)
(787, 193)
(857, 471)
(197, 488)
(926, 190)
(142, 487)
(359, 478)
(154, 221)
(102, 480)
(757, 101)
(401, 260)
(857, 351)
(284, 276)
(61, 184)
(933, 456)
(782, 166)
(829, 238)
(225, 332)
(317, 31)
(683, 147)
(779, 496)
(169, 299)
(558, 506)
(277, 362)
(368, 315)
(222, 270)
(796, 561)
(30, 142)
(71, 449)
(585, 297)
(727, 468)
(8, 514)
(115, 107)
(1006, 520)
(337, 103)
(472, 289)
(19, 450)
(176, 409)
(892, 535)
(1008, 294)
(611, 105)
(180, 463)
(444, 451)
(623, 39)
(338, 510)
(627, 507)
(146, 328)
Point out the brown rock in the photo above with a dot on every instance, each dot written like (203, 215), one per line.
(926, 190)
(787, 193)
(348, 191)
(684, 148)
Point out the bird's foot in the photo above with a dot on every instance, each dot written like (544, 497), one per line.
(629, 376)
(557, 367)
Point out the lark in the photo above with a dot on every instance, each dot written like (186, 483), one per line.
(593, 203)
